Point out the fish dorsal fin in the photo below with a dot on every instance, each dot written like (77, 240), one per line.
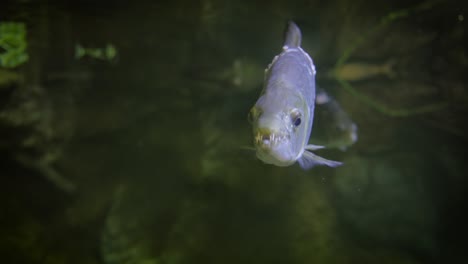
(293, 36)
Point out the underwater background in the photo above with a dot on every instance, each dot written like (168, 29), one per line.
(124, 135)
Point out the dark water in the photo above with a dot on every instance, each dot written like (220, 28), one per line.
(140, 157)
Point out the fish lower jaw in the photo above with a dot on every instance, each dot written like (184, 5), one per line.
(269, 157)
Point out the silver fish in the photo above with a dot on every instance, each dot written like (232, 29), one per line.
(283, 115)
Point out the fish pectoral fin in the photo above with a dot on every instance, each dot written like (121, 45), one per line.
(309, 160)
(249, 148)
(313, 147)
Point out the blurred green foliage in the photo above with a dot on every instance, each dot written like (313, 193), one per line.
(13, 44)
(376, 105)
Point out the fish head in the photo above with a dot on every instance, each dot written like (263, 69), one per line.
(281, 129)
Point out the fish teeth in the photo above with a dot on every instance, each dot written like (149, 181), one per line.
(270, 139)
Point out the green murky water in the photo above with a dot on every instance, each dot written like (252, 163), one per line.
(123, 134)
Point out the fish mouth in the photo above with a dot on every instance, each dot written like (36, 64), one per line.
(268, 139)
(274, 148)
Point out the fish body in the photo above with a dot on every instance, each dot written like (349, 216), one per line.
(333, 127)
(282, 117)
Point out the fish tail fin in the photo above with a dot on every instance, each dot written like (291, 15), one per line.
(309, 160)
(293, 36)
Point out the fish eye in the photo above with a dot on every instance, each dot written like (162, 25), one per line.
(296, 117)
(297, 122)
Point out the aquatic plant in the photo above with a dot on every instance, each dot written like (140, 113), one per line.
(13, 44)
(381, 107)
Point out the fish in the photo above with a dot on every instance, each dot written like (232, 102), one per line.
(283, 115)
(358, 71)
(333, 127)
(109, 53)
